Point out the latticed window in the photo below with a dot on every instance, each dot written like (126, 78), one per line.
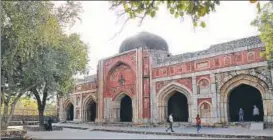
(205, 110)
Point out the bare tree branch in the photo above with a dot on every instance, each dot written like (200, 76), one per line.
(121, 29)
(146, 12)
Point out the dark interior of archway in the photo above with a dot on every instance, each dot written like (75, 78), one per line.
(126, 111)
(70, 113)
(92, 111)
(178, 106)
(245, 97)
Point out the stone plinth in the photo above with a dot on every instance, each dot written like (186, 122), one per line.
(257, 126)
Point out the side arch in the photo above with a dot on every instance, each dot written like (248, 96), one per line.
(168, 91)
(200, 111)
(67, 112)
(86, 114)
(236, 81)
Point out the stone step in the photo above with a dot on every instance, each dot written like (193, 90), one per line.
(257, 126)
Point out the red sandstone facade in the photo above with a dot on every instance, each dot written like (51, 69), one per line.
(150, 78)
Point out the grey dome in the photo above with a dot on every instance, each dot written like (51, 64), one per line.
(146, 40)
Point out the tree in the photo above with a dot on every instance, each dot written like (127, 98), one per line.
(196, 9)
(27, 29)
(264, 22)
(54, 68)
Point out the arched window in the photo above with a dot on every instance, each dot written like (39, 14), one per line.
(205, 110)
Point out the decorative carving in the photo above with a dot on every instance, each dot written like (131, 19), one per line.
(188, 66)
(251, 42)
(217, 62)
(238, 58)
(251, 56)
(185, 81)
(202, 65)
(121, 80)
(205, 110)
(227, 60)
(203, 86)
(261, 72)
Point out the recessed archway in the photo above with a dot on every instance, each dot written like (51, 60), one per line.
(245, 97)
(89, 109)
(70, 112)
(178, 107)
(167, 96)
(126, 111)
(232, 83)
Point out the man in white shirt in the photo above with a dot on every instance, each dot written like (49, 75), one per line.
(170, 120)
(256, 113)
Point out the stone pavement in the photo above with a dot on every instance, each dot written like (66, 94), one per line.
(85, 134)
(205, 132)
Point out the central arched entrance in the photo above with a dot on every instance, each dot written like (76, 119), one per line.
(126, 112)
(70, 112)
(178, 106)
(245, 97)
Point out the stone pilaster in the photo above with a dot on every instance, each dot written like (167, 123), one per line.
(139, 89)
(61, 115)
(100, 108)
(194, 105)
(214, 109)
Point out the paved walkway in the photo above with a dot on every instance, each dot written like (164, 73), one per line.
(208, 131)
(67, 133)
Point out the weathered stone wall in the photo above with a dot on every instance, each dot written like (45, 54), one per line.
(149, 77)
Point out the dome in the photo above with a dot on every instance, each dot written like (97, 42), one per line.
(146, 40)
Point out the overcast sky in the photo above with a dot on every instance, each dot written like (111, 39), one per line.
(230, 21)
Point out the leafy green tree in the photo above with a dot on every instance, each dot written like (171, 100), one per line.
(29, 28)
(54, 68)
(196, 9)
(264, 22)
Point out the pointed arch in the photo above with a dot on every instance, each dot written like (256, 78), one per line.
(205, 113)
(164, 94)
(117, 106)
(168, 90)
(236, 81)
(117, 64)
(89, 108)
(66, 103)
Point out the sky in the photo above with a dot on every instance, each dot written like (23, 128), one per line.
(98, 25)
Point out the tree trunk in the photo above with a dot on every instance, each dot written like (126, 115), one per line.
(58, 108)
(41, 118)
(4, 121)
(7, 114)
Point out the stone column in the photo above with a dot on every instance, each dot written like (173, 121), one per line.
(61, 113)
(137, 113)
(194, 104)
(153, 102)
(214, 103)
(100, 92)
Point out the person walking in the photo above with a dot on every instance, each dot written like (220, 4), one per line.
(170, 120)
(256, 113)
(198, 123)
(241, 115)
